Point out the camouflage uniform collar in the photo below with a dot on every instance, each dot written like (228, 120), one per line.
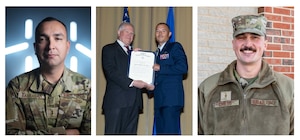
(66, 78)
(36, 86)
(265, 76)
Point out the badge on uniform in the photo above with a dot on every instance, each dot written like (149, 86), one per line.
(261, 102)
(225, 100)
(225, 95)
(164, 56)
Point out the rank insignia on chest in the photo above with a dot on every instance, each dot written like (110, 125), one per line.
(225, 96)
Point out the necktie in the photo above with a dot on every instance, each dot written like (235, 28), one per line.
(157, 51)
(128, 50)
(129, 56)
(157, 55)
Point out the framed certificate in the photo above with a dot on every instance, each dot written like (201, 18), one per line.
(140, 68)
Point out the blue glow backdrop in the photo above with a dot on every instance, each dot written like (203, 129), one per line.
(15, 34)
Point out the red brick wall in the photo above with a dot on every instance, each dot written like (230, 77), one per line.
(280, 35)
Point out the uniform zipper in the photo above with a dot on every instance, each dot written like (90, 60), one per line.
(244, 119)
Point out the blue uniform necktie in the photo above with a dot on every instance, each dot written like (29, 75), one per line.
(157, 55)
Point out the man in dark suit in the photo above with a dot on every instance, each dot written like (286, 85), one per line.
(123, 99)
(170, 68)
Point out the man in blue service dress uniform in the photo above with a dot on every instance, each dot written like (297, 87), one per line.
(170, 68)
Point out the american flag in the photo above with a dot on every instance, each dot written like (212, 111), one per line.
(126, 17)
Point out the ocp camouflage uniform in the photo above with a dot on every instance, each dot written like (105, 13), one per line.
(34, 106)
(264, 107)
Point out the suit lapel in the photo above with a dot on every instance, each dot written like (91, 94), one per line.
(119, 48)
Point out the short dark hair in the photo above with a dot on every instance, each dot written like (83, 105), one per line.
(163, 23)
(37, 29)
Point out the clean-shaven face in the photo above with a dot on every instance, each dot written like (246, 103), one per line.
(126, 34)
(52, 46)
(162, 33)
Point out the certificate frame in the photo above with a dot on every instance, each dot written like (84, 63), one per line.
(141, 66)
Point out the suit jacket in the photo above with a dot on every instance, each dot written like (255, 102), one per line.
(168, 81)
(115, 65)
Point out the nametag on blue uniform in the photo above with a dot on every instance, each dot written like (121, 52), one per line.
(264, 102)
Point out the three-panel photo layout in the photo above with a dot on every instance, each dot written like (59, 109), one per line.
(145, 71)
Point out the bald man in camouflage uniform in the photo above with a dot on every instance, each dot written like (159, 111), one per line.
(248, 97)
(50, 99)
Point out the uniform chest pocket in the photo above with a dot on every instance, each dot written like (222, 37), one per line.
(33, 105)
(225, 112)
(71, 109)
(35, 113)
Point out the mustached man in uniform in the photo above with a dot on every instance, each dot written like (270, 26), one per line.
(248, 97)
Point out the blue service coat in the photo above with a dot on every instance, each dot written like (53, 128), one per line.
(168, 81)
